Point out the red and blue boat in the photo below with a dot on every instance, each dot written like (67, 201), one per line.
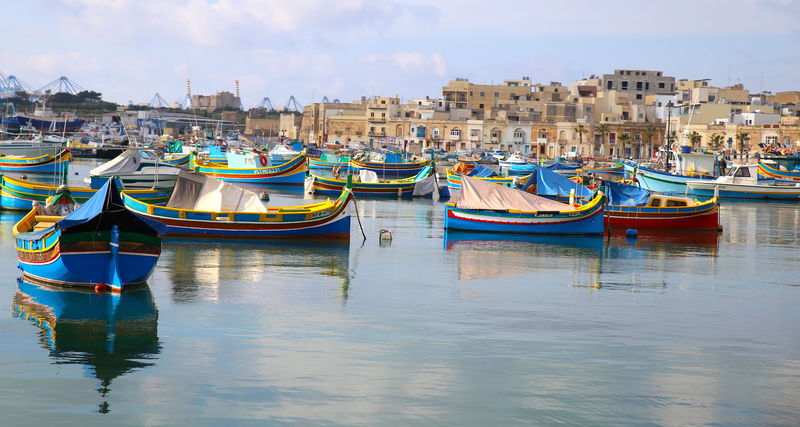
(100, 244)
(46, 164)
(483, 206)
(250, 169)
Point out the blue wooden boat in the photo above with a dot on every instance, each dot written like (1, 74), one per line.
(394, 188)
(328, 161)
(742, 182)
(247, 171)
(205, 208)
(773, 171)
(16, 194)
(662, 182)
(482, 173)
(99, 244)
(388, 165)
(483, 206)
(46, 164)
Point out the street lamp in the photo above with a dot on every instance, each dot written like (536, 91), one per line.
(670, 105)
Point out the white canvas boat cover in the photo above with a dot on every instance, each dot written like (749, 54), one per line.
(368, 176)
(125, 164)
(204, 193)
(478, 194)
(427, 186)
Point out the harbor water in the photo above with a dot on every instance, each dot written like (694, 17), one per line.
(429, 328)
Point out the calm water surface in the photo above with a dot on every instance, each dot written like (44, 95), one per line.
(431, 329)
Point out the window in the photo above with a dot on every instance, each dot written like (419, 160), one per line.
(455, 133)
(638, 96)
(711, 98)
(518, 133)
(383, 114)
(624, 85)
(480, 106)
(659, 104)
(372, 130)
(610, 85)
(675, 203)
(383, 101)
(474, 132)
(639, 85)
(543, 134)
(383, 130)
(655, 202)
(497, 94)
(483, 94)
(661, 85)
(742, 172)
(372, 114)
(470, 93)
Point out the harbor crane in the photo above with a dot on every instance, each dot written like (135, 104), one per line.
(266, 104)
(61, 85)
(293, 105)
(158, 102)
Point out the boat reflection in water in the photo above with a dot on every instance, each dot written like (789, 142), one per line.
(673, 243)
(202, 270)
(111, 334)
(486, 255)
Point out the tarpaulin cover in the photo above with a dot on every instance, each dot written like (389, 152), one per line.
(427, 186)
(482, 172)
(368, 176)
(200, 192)
(106, 209)
(620, 194)
(549, 183)
(477, 194)
(125, 164)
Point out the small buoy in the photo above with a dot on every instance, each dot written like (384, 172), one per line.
(631, 232)
(101, 288)
(76, 173)
(385, 234)
(24, 177)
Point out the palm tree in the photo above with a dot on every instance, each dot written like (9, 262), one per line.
(603, 131)
(715, 141)
(649, 131)
(695, 138)
(581, 129)
(623, 139)
(742, 137)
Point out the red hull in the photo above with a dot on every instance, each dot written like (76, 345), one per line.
(702, 220)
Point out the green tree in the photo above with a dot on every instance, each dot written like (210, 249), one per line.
(623, 139)
(695, 138)
(716, 141)
(743, 137)
(649, 132)
(603, 131)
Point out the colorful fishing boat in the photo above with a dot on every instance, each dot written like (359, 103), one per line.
(16, 194)
(99, 244)
(388, 165)
(367, 184)
(244, 169)
(604, 168)
(483, 206)
(478, 172)
(663, 182)
(46, 164)
(176, 159)
(328, 161)
(632, 207)
(773, 170)
(204, 207)
(741, 182)
(515, 159)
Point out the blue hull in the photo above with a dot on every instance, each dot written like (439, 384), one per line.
(338, 227)
(79, 269)
(497, 222)
(723, 194)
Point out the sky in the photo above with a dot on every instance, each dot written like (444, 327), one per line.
(344, 49)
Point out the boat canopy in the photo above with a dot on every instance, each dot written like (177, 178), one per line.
(620, 194)
(478, 194)
(549, 183)
(106, 209)
(482, 172)
(368, 176)
(196, 191)
(125, 164)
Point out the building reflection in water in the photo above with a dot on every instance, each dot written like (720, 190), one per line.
(200, 270)
(109, 334)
